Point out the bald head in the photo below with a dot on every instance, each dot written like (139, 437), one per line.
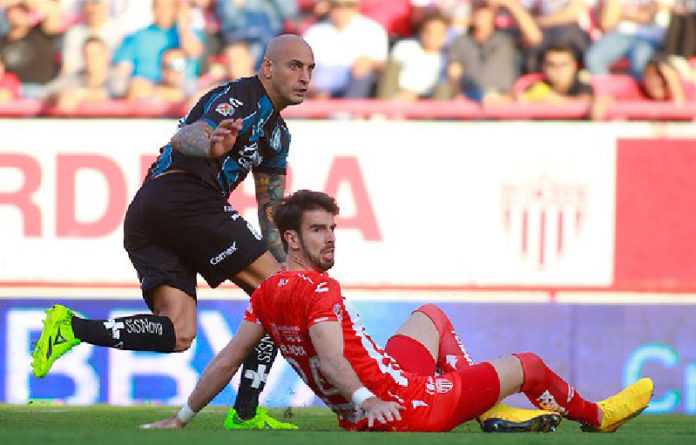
(282, 46)
(286, 70)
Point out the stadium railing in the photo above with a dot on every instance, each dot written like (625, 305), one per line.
(372, 108)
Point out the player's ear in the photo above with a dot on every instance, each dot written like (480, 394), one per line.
(292, 238)
(267, 68)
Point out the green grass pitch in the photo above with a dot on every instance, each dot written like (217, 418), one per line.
(106, 425)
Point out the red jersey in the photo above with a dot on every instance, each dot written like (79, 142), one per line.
(289, 303)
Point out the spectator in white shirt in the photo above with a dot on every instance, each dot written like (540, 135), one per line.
(96, 24)
(420, 62)
(349, 49)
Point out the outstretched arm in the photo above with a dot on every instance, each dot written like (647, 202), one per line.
(217, 374)
(201, 140)
(327, 339)
(269, 190)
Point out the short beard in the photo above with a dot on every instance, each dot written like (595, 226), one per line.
(316, 260)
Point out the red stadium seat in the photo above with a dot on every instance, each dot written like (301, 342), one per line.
(527, 111)
(618, 86)
(305, 5)
(113, 108)
(391, 109)
(21, 108)
(622, 65)
(652, 111)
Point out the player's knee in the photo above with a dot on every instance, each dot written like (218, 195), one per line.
(533, 368)
(438, 317)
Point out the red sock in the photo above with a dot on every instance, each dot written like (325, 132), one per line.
(452, 355)
(546, 390)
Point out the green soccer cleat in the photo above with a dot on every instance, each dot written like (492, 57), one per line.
(56, 339)
(261, 421)
(507, 419)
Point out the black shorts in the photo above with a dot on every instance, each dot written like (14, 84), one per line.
(176, 226)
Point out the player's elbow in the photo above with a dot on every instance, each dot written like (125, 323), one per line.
(184, 339)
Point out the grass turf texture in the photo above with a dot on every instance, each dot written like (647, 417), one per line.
(105, 425)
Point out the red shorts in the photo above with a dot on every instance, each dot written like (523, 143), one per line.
(437, 403)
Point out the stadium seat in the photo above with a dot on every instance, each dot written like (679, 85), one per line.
(651, 111)
(619, 86)
(21, 108)
(391, 109)
(527, 111)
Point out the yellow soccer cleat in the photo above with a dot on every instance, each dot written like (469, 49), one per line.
(622, 407)
(506, 419)
(56, 339)
(261, 421)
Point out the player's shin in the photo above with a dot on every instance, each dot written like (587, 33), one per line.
(142, 332)
(546, 390)
(254, 373)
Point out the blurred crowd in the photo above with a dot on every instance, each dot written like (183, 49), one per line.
(493, 51)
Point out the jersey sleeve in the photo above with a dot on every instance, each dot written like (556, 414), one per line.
(325, 303)
(250, 316)
(277, 163)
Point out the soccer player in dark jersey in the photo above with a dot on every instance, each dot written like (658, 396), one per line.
(180, 223)
(398, 388)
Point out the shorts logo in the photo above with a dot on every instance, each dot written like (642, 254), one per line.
(236, 102)
(225, 109)
(443, 385)
(417, 403)
(224, 254)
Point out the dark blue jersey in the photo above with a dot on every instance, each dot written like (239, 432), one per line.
(262, 144)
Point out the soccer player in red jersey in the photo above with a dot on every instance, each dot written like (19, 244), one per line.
(395, 389)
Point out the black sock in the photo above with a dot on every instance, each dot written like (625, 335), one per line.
(142, 332)
(254, 373)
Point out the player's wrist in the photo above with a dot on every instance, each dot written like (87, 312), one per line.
(360, 395)
(185, 414)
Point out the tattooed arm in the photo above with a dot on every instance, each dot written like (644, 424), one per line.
(269, 190)
(200, 139)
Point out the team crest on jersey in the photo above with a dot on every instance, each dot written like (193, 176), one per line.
(225, 109)
(443, 385)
